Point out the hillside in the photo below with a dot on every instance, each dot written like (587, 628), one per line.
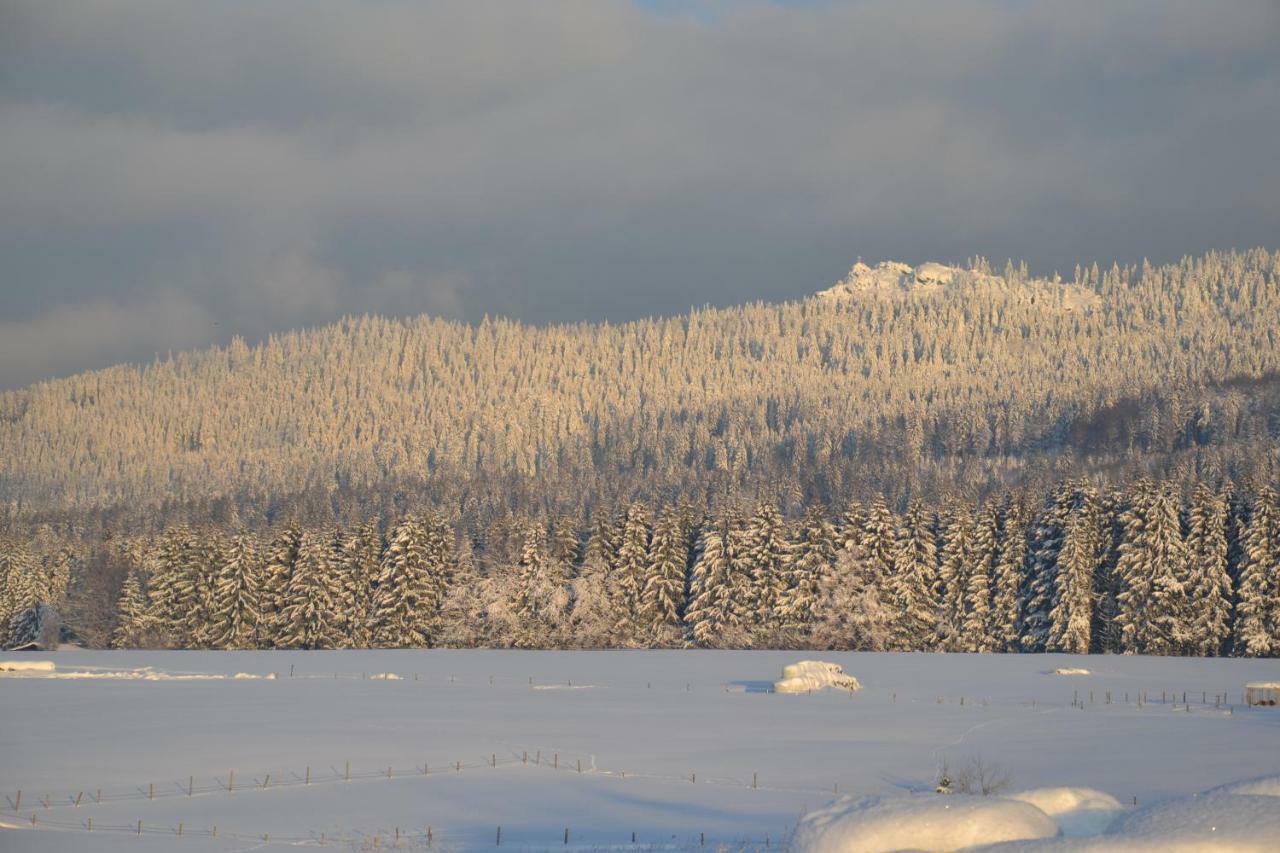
(970, 380)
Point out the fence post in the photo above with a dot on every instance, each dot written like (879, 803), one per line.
(91, 823)
(493, 759)
(754, 778)
(308, 779)
(556, 762)
(139, 826)
(231, 781)
(17, 806)
(191, 785)
(566, 835)
(498, 840)
(347, 773)
(79, 796)
(151, 790)
(579, 765)
(179, 829)
(430, 836)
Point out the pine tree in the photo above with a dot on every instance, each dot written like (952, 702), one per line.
(1154, 613)
(590, 617)
(1209, 589)
(814, 556)
(978, 630)
(132, 622)
(954, 569)
(1257, 608)
(1072, 602)
(767, 558)
(663, 595)
(282, 557)
(915, 582)
(541, 596)
(631, 562)
(237, 612)
(416, 573)
(708, 614)
(1009, 572)
(359, 567)
(310, 618)
(1041, 580)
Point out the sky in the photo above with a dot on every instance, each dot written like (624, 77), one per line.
(175, 172)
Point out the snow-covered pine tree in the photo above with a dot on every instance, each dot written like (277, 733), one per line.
(1257, 625)
(310, 618)
(954, 568)
(978, 629)
(1106, 582)
(176, 591)
(630, 564)
(1041, 580)
(767, 559)
(813, 558)
(462, 613)
(852, 525)
(417, 571)
(663, 596)
(1154, 613)
(590, 614)
(541, 595)
(1008, 577)
(359, 567)
(915, 582)
(237, 610)
(281, 557)
(879, 544)
(1209, 589)
(132, 622)
(708, 612)
(20, 584)
(1072, 603)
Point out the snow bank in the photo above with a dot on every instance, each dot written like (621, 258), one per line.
(1267, 786)
(1213, 821)
(875, 825)
(814, 675)
(1077, 811)
(26, 666)
(1070, 670)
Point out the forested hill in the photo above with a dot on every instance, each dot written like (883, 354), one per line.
(896, 382)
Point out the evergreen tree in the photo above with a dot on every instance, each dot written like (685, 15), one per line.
(542, 596)
(590, 616)
(1072, 602)
(1209, 589)
(1257, 624)
(237, 611)
(708, 615)
(132, 622)
(1009, 572)
(282, 557)
(767, 559)
(979, 627)
(359, 566)
(814, 557)
(1154, 613)
(663, 595)
(310, 618)
(915, 582)
(631, 563)
(954, 569)
(416, 573)
(1041, 581)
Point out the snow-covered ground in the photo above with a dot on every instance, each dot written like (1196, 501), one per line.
(672, 746)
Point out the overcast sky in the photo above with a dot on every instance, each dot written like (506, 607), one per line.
(172, 173)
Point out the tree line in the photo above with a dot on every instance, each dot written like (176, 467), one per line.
(1139, 569)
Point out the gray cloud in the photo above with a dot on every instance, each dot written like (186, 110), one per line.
(176, 172)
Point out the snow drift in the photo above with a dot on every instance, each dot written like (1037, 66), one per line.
(955, 822)
(26, 666)
(808, 675)
(1077, 811)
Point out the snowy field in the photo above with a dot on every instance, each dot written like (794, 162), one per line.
(679, 748)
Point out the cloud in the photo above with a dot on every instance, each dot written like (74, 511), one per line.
(277, 165)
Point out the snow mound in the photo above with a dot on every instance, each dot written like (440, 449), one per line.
(1213, 821)
(1267, 786)
(1071, 670)
(384, 676)
(26, 666)
(810, 675)
(875, 825)
(249, 676)
(1077, 811)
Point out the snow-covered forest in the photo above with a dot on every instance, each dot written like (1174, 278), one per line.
(973, 461)
(1135, 570)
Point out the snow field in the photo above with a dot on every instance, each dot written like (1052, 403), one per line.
(669, 746)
